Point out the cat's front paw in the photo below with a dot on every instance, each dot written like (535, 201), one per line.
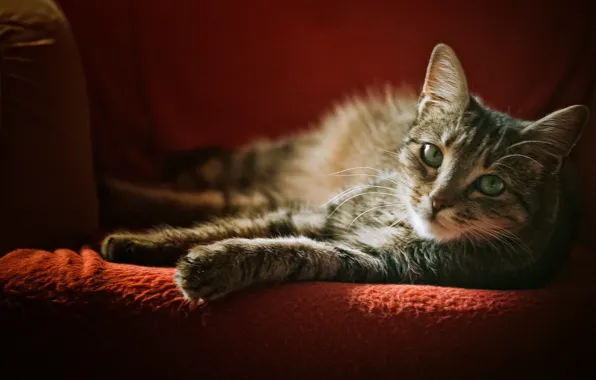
(121, 248)
(136, 249)
(209, 272)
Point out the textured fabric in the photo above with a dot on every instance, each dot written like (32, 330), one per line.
(47, 189)
(81, 315)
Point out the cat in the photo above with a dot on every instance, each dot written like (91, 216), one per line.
(393, 187)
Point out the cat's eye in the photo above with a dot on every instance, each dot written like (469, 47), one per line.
(431, 155)
(490, 185)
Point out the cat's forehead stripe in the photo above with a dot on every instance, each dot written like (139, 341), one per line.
(449, 140)
(467, 152)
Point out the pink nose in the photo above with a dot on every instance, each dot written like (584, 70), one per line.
(439, 204)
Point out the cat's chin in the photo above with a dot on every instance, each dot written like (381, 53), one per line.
(432, 229)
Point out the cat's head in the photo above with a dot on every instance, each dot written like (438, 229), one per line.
(474, 172)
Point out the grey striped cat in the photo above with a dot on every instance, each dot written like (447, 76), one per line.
(392, 187)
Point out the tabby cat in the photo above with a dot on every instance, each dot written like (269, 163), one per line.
(392, 187)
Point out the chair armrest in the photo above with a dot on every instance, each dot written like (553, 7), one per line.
(47, 189)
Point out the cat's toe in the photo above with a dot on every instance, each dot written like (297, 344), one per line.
(125, 248)
(205, 276)
(117, 248)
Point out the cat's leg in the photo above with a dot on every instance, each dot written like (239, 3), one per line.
(253, 166)
(196, 169)
(216, 183)
(163, 246)
(212, 271)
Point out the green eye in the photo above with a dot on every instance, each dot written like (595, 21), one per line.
(490, 185)
(431, 155)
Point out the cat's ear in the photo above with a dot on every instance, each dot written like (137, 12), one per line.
(445, 86)
(552, 138)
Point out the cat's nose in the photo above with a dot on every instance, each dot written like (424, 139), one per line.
(439, 204)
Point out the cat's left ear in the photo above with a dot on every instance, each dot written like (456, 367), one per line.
(552, 138)
(445, 86)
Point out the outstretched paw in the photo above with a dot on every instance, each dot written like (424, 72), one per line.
(122, 248)
(209, 272)
(138, 249)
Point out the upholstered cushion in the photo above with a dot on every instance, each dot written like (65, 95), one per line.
(47, 189)
(82, 317)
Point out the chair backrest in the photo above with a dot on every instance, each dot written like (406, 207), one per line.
(171, 75)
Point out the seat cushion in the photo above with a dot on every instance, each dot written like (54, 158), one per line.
(77, 315)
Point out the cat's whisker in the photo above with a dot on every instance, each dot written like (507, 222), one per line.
(356, 168)
(481, 238)
(357, 195)
(514, 244)
(496, 229)
(503, 236)
(464, 245)
(521, 156)
(501, 239)
(405, 184)
(360, 188)
(485, 229)
(505, 166)
(397, 221)
(383, 187)
(468, 233)
(372, 209)
(466, 236)
(383, 176)
(345, 192)
(516, 239)
(390, 152)
(357, 175)
(350, 190)
(505, 174)
(532, 142)
(480, 234)
(368, 175)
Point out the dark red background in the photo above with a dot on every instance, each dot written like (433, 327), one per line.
(172, 75)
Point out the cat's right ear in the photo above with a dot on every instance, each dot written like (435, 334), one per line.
(552, 138)
(445, 86)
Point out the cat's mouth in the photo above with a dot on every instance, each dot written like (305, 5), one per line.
(434, 227)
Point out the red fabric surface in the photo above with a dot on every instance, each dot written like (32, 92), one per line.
(90, 319)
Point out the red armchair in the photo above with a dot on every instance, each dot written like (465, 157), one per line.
(164, 77)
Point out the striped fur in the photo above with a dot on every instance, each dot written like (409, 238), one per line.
(271, 211)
